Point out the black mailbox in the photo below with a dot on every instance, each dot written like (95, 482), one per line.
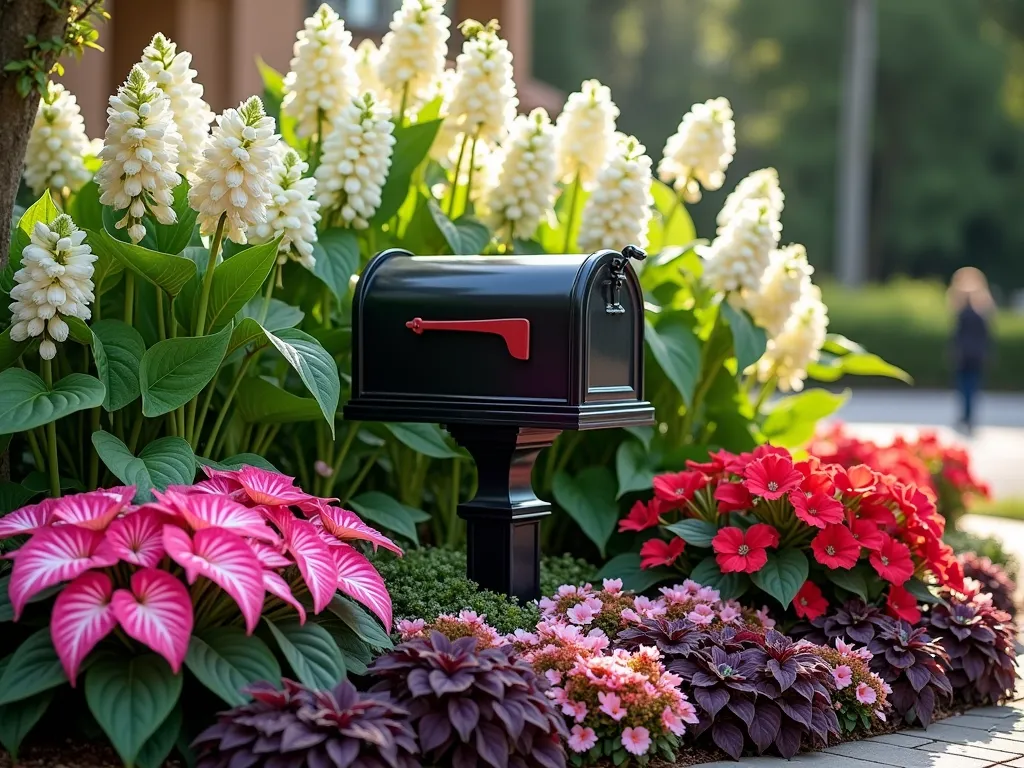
(505, 352)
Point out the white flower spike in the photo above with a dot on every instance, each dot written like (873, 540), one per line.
(171, 71)
(760, 185)
(785, 282)
(235, 173)
(413, 53)
(367, 61)
(797, 345)
(619, 209)
(355, 162)
(57, 145)
(140, 154)
(322, 78)
(699, 152)
(291, 212)
(483, 100)
(737, 259)
(54, 282)
(585, 132)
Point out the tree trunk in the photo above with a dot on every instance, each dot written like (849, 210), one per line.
(18, 19)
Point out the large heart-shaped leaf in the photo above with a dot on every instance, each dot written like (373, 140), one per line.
(260, 402)
(671, 224)
(337, 259)
(627, 567)
(412, 143)
(10, 351)
(386, 512)
(82, 616)
(176, 370)
(172, 238)
(730, 585)
(310, 651)
(13, 496)
(792, 422)
(158, 746)
(677, 352)
(634, 467)
(427, 439)
(696, 533)
(118, 350)
(749, 341)
(589, 498)
(157, 612)
(854, 580)
(783, 575)
(85, 207)
(238, 279)
(130, 697)
(226, 660)
(34, 668)
(166, 271)
(315, 367)
(19, 718)
(164, 462)
(313, 557)
(360, 622)
(358, 578)
(27, 403)
(279, 314)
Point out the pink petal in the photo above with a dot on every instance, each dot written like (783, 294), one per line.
(94, 510)
(82, 616)
(229, 475)
(313, 557)
(357, 577)
(136, 538)
(270, 488)
(279, 588)
(51, 556)
(206, 510)
(347, 526)
(220, 484)
(269, 556)
(226, 560)
(157, 612)
(26, 520)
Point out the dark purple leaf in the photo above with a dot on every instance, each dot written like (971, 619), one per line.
(711, 700)
(784, 673)
(787, 742)
(728, 737)
(464, 715)
(743, 708)
(765, 725)
(492, 745)
(434, 730)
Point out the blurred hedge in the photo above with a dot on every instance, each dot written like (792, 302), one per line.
(907, 323)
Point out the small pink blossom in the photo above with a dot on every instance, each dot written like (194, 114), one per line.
(407, 628)
(702, 614)
(636, 740)
(581, 613)
(675, 594)
(765, 618)
(671, 721)
(547, 605)
(611, 705)
(471, 618)
(628, 614)
(687, 712)
(848, 650)
(729, 615)
(582, 739)
(568, 589)
(880, 715)
(594, 604)
(612, 586)
(691, 587)
(554, 676)
(866, 694)
(843, 676)
(708, 594)
(557, 695)
(648, 608)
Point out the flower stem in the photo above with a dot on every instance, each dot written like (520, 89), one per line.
(706, 377)
(272, 280)
(353, 430)
(37, 454)
(161, 323)
(574, 193)
(401, 108)
(224, 407)
(51, 436)
(472, 163)
(94, 457)
(358, 479)
(129, 296)
(204, 298)
(767, 390)
(455, 178)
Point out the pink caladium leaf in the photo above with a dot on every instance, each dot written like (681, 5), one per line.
(51, 556)
(314, 559)
(26, 520)
(82, 616)
(226, 560)
(279, 588)
(270, 488)
(157, 612)
(269, 557)
(207, 510)
(136, 538)
(95, 509)
(359, 579)
(220, 484)
(347, 526)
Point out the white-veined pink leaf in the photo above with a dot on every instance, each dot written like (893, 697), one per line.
(269, 557)
(25, 520)
(279, 588)
(136, 538)
(359, 579)
(313, 557)
(207, 510)
(157, 612)
(51, 556)
(220, 484)
(82, 616)
(95, 509)
(226, 560)
(347, 526)
(270, 488)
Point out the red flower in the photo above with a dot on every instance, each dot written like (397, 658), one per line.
(892, 561)
(816, 509)
(902, 605)
(733, 497)
(737, 551)
(677, 489)
(809, 602)
(868, 534)
(855, 480)
(656, 552)
(641, 517)
(772, 476)
(717, 465)
(942, 562)
(835, 547)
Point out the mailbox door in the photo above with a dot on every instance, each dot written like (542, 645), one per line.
(613, 338)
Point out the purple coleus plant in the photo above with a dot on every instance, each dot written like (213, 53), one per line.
(914, 667)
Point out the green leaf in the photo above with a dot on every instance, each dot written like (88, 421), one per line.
(10, 351)
(568, 208)
(832, 368)
(18, 719)
(247, 332)
(633, 467)
(851, 580)
(749, 341)
(589, 498)
(337, 259)
(671, 224)
(237, 280)
(158, 746)
(708, 574)
(412, 144)
(793, 421)
(26, 403)
(172, 238)
(238, 461)
(42, 211)
(279, 314)
(131, 697)
(360, 621)
(163, 270)
(78, 331)
(259, 401)
(34, 668)
(427, 439)
(163, 462)
(783, 575)
(474, 235)
(644, 434)
(85, 207)
(226, 660)
(176, 370)
(677, 351)
(696, 533)
(921, 591)
(627, 567)
(13, 496)
(118, 350)
(6, 609)
(315, 367)
(310, 651)
(386, 512)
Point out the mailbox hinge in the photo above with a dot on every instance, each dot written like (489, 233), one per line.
(617, 278)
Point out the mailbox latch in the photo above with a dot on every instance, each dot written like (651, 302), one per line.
(617, 278)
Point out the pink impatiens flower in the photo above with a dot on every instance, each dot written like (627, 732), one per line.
(729, 615)
(701, 614)
(673, 722)
(611, 705)
(843, 676)
(582, 739)
(581, 613)
(636, 740)
(866, 694)
(613, 586)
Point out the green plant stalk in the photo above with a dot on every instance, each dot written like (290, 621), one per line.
(363, 472)
(172, 424)
(51, 435)
(707, 373)
(37, 454)
(300, 458)
(469, 175)
(129, 296)
(401, 107)
(72, 463)
(268, 440)
(574, 192)
(133, 440)
(161, 321)
(339, 459)
(766, 392)
(225, 406)
(314, 157)
(455, 177)
(273, 280)
(204, 409)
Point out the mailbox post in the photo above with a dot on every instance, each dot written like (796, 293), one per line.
(506, 353)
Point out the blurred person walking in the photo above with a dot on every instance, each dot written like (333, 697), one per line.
(972, 305)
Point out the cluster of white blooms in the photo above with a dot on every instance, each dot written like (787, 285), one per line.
(140, 154)
(172, 73)
(761, 186)
(737, 259)
(235, 172)
(322, 76)
(619, 208)
(291, 212)
(367, 61)
(413, 53)
(585, 132)
(483, 100)
(55, 279)
(797, 345)
(355, 162)
(57, 145)
(785, 281)
(526, 184)
(700, 151)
